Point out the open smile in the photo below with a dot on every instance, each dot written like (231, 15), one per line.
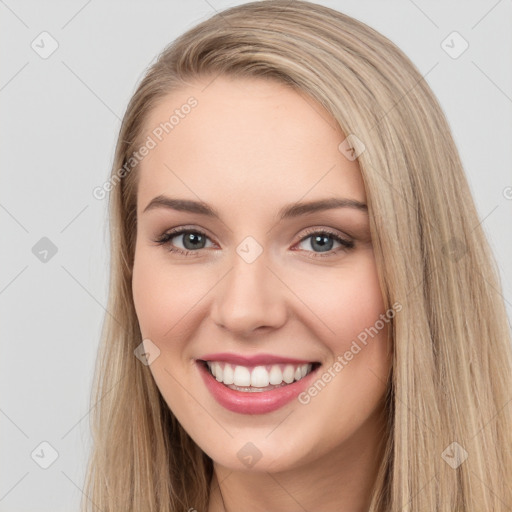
(256, 388)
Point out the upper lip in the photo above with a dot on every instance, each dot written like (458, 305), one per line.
(252, 360)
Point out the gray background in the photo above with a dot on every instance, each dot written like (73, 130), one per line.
(60, 118)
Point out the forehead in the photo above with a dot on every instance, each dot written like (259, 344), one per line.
(245, 139)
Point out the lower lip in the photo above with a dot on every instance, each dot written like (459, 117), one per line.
(257, 402)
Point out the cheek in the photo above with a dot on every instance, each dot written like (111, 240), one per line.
(346, 300)
(351, 385)
(164, 298)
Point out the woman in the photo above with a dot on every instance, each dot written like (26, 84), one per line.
(302, 299)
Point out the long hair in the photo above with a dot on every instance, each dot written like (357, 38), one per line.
(449, 437)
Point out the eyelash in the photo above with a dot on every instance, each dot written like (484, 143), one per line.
(166, 237)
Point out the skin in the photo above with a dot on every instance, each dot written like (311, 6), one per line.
(248, 148)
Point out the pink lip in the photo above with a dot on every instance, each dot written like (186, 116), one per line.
(258, 402)
(259, 359)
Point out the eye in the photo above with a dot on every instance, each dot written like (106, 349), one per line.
(191, 239)
(323, 241)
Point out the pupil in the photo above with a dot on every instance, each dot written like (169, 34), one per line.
(321, 240)
(192, 238)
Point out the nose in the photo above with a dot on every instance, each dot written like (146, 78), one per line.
(250, 298)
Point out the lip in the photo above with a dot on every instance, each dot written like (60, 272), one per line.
(258, 402)
(255, 360)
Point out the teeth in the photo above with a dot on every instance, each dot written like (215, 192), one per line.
(259, 376)
(218, 371)
(242, 376)
(276, 375)
(229, 375)
(288, 374)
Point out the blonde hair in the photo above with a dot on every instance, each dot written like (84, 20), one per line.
(452, 364)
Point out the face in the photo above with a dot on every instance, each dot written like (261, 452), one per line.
(254, 261)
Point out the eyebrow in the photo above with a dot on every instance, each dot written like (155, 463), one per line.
(287, 212)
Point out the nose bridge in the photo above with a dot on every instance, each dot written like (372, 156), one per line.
(249, 296)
